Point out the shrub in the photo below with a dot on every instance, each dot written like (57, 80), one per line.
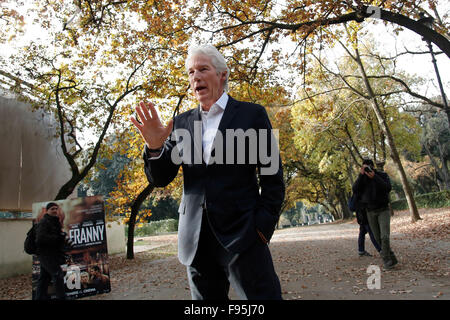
(155, 227)
(428, 200)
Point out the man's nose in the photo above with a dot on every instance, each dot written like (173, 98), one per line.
(196, 75)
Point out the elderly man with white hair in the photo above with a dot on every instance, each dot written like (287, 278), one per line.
(233, 186)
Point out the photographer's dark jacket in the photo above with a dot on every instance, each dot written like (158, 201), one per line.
(373, 193)
(50, 239)
(361, 217)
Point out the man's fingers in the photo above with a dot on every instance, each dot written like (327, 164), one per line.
(152, 109)
(137, 124)
(147, 111)
(140, 112)
(150, 127)
(145, 107)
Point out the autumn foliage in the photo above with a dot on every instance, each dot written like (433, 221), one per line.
(99, 58)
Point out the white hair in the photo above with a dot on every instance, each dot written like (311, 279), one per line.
(217, 59)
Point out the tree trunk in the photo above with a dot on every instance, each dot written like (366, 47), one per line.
(132, 221)
(390, 139)
(67, 189)
(442, 173)
(444, 170)
(337, 214)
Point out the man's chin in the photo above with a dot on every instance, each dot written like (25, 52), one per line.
(204, 102)
(202, 98)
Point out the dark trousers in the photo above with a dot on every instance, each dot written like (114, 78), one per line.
(50, 271)
(363, 230)
(251, 273)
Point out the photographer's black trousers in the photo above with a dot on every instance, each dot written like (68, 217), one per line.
(50, 271)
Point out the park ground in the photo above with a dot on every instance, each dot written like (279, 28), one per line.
(317, 262)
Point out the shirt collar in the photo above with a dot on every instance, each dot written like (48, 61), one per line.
(222, 102)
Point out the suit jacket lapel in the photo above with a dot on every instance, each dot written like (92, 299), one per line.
(198, 145)
(193, 116)
(229, 113)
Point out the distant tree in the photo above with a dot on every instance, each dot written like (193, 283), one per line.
(102, 179)
(436, 145)
(162, 209)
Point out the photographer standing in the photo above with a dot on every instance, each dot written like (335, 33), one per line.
(50, 242)
(374, 187)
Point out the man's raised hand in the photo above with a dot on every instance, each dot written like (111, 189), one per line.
(150, 127)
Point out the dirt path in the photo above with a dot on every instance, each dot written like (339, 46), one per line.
(314, 262)
(321, 262)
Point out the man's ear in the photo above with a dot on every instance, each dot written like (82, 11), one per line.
(223, 76)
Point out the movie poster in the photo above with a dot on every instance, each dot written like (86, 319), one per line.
(86, 269)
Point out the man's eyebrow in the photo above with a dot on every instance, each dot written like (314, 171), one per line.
(199, 66)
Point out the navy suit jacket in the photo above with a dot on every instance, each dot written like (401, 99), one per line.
(237, 200)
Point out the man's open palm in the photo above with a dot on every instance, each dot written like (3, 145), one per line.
(150, 127)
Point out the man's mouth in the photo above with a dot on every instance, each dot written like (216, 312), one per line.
(199, 89)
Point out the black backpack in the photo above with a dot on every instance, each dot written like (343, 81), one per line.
(29, 245)
(353, 202)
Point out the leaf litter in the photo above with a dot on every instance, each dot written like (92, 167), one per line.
(324, 268)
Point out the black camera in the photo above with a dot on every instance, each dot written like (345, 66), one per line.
(368, 169)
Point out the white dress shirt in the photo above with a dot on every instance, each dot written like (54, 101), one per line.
(210, 124)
